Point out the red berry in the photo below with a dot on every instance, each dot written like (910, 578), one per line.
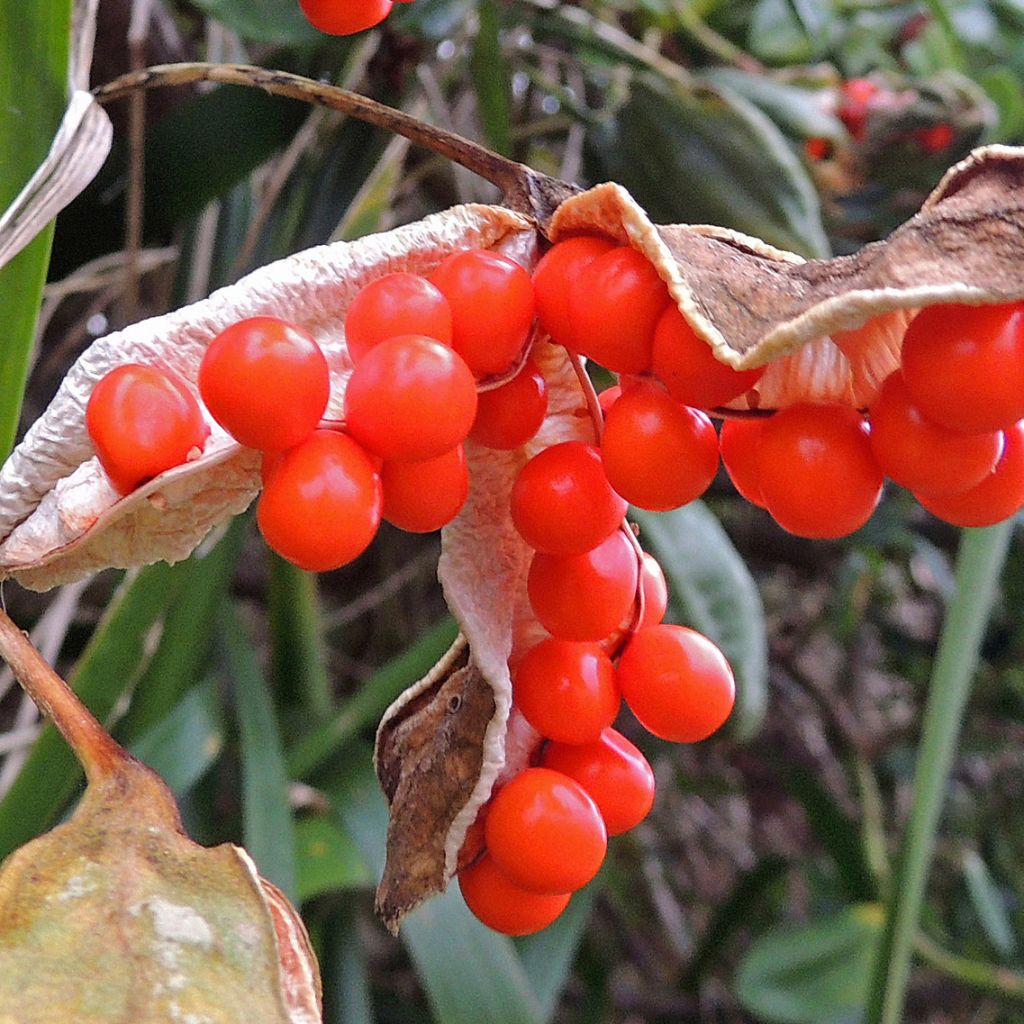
(266, 382)
(922, 455)
(856, 96)
(685, 364)
(818, 475)
(345, 17)
(423, 496)
(392, 305)
(491, 299)
(553, 277)
(657, 453)
(655, 591)
(613, 772)
(935, 138)
(739, 442)
(562, 502)
(142, 420)
(567, 691)
(607, 398)
(817, 148)
(545, 832)
(676, 682)
(321, 502)
(614, 305)
(999, 496)
(410, 398)
(964, 365)
(508, 416)
(504, 906)
(584, 597)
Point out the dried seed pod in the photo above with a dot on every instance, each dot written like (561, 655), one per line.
(117, 915)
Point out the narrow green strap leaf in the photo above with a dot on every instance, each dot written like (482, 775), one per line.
(327, 859)
(267, 825)
(363, 709)
(491, 78)
(32, 36)
(105, 672)
(982, 554)
(298, 671)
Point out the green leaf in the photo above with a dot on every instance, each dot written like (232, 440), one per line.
(105, 672)
(697, 154)
(491, 77)
(327, 859)
(811, 974)
(268, 828)
(833, 830)
(989, 905)
(34, 41)
(344, 970)
(181, 656)
(1004, 88)
(297, 656)
(186, 743)
(470, 973)
(711, 589)
(795, 109)
(548, 955)
(364, 708)
(265, 21)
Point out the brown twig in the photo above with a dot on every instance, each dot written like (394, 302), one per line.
(525, 190)
(95, 749)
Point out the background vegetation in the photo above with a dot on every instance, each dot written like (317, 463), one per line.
(759, 888)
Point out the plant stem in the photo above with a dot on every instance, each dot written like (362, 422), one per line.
(993, 978)
(982, 553)
(526, 191)
(97, 752)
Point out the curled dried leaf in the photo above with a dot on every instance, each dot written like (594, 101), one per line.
(59, 518)
(829, 330)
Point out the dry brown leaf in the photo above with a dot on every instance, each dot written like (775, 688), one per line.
(829, 330)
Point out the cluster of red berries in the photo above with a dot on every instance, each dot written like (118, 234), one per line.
(346, 17)
(947, 425)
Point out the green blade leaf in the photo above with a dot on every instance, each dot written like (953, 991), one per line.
(186, 743)
(268, 828)
(812, 974)
(690, 153)
(491, 78)
(989, 904)
(327, 859)
(266, 21)
(34, 41)
(711, 589)
(105, 672)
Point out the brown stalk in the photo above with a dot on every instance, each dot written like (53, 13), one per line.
(525, 190)
(99, 755)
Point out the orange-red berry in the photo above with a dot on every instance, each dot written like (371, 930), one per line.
(504, 906)
(423, 496)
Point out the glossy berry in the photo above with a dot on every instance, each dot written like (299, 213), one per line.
(855, 99)
(613, 771)
(999, 496)
(738, 442)
(266, 382)
(615, 302)
(508, 416)
(677, 683)
(545, 832)
(423, 496)
(964, 365)
(143, 420)
(392, 305)
(588, 596)
(817, 148)
(935, 138)
(922, 455)
(491, 299)
(345, 17)
(410, 398)
(607, 398)
(321, 502)
(655, 591)
(562, 502)
(657, 453)
(504, 906)
(553, 277)
(818, 474)
(567, 691)
(685, 364)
